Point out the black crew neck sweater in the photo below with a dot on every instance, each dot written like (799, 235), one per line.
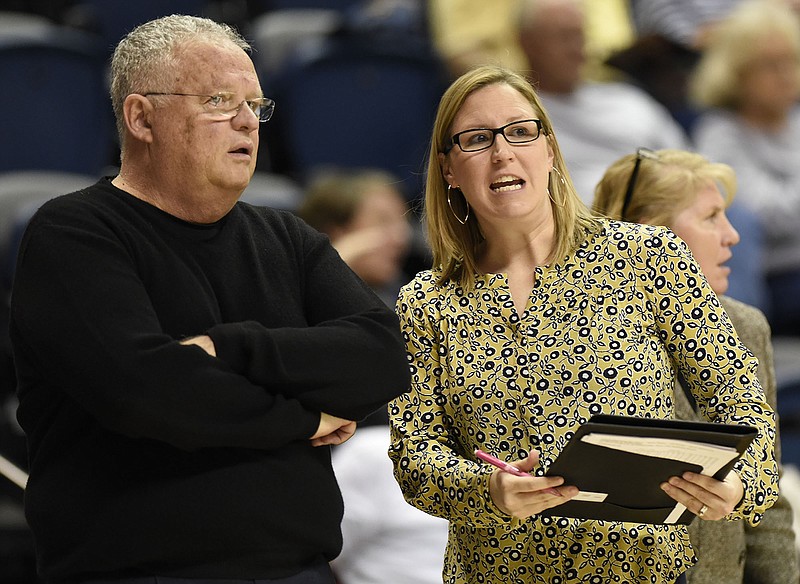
(148, 457)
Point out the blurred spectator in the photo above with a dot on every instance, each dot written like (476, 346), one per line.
(366, 217)
(54, 10)
(689, 194)
(475, 32)
(749, 77)
(596, 122)
(671, 34)
(670, 37)
(467, 33)
(385, 540)
(660, 67)
(686, 22)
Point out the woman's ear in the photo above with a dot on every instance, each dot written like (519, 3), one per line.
(550, 154)
(447, 170)
(138, 111)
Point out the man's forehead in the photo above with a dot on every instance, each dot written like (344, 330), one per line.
(214, 64)
(222, 52)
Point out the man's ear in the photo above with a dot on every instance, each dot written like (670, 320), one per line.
(138, 112)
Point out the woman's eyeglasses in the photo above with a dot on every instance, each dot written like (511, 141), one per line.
(477, 139)
(641, 154)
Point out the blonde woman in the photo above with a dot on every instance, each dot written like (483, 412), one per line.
(536, 315)
(687, 193)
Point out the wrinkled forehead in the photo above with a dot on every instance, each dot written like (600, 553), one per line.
(217, 66)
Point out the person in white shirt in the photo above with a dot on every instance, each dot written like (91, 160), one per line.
(597, 122)
(749, 81)
(385, 540)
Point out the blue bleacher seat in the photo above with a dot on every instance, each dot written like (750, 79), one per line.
(356, 103)
(21, 194)
(59, 115)
(268, 5)
(113, 19)
(787, 376)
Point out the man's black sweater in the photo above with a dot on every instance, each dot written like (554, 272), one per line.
(149, 457)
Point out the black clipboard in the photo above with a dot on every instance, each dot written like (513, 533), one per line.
(626, 485)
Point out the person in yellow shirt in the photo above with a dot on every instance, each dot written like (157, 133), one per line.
(536, 315)
(467, 33)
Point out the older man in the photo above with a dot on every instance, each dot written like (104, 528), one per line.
(185, 359)
(596, 122)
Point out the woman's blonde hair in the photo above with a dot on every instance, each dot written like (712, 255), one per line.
(716, 81)
(455, 246)
(665, 185)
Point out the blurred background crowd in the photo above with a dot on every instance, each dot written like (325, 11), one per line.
(356, 84)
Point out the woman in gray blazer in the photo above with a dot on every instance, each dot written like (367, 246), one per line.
(689, 194)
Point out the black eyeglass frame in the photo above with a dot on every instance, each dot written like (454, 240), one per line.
(455, 138)
(641, 154)
(268, 103)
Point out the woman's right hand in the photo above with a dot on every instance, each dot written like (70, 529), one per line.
(522, 497)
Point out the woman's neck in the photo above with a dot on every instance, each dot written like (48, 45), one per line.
(506, 248)
(517, 256)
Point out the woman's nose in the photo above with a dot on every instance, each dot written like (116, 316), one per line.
(730, 236)
(501, 149)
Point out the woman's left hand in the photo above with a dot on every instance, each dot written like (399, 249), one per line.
(704, 496)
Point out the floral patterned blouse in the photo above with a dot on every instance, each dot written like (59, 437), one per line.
(603, 332)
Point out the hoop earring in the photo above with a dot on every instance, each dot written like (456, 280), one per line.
(563, 184)
(449, 204)
(560, 176)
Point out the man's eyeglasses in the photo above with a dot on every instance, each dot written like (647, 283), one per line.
(223, 105)
(476, 139)
(641, 154)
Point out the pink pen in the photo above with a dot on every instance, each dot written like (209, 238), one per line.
(509, 468)
(502, 465)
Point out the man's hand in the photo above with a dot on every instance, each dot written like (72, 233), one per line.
(332, 431)
(202, 341)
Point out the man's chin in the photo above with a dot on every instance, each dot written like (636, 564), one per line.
(236, 183)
